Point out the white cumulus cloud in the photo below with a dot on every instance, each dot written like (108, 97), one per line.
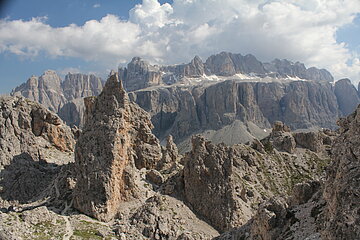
(299, 30)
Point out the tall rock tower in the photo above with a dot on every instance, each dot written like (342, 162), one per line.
(116, 140)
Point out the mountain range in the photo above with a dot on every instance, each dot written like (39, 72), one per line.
(228, 98)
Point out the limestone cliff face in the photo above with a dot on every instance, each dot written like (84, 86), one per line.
(45, 89)
(342, 215)
(228, 64)
(24, 125)
(59, 96)
(182, 111)
(81, 85)
(139, 74)
(285, 68)
(347, 96)
(73, 112)
(115, 140)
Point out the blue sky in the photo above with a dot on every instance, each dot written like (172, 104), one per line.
(99, 35)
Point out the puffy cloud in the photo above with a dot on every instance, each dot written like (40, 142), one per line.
(108, 37)
(96, 5)
(151, 14)
(299, 30)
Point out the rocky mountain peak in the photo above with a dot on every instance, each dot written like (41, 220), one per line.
(347, 96)
(139, 74)
(114, 88)
(196, 60)
(50, 79)
(116, 140)
(77, 85)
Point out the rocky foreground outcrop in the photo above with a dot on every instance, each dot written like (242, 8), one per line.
(27, 127)
(116, 140)
(225, 184)
(329, 210)
(341, 191)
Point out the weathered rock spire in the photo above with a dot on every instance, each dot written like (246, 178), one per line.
(116, 138)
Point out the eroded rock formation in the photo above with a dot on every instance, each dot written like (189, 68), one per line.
(342, 211)
(116, 140)
(62, 97)
(26, 127)
(316, 210)
(225, 184)
(236, 110)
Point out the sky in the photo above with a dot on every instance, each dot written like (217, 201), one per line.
(95, 36)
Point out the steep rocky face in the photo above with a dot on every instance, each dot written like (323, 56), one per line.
(306, 103)
(325, 210)
(347, 96)
(225, 184)
(26, 127)
(285, 68)
(73, 112)
(228, 64)
(81, 85)
(45, 89)
(62, 97)
(342, 214)
(208, 188)
(195, 69)
(316, 74)
(280, 138)
(139, 74)
(221, 64)
(34, 145)
(116, 139)
(182, 111)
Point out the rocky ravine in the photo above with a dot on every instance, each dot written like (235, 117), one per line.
(137, 189)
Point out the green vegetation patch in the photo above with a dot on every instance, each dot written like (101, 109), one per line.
(87, 233)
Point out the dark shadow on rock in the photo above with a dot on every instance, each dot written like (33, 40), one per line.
(162, 122)
(24, 180)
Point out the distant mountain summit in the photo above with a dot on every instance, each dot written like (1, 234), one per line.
(63, 97)
(230, 97)
(140, 74)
